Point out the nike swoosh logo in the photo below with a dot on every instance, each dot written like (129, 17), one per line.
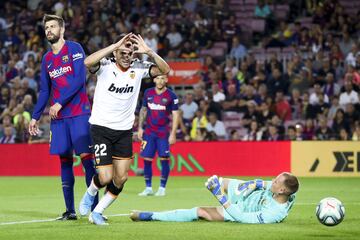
(49, 65)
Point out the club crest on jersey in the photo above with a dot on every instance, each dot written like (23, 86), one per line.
(126, 89)
(164, 100)
(132, 74)
(65, 59)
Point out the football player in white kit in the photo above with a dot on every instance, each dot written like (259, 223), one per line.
(113, 114)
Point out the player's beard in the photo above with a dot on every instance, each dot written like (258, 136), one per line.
(53, 38)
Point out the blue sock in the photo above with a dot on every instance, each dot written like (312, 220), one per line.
(88, 163)
(165, 171)
(68, 180)
(148, 172)
(179, 215)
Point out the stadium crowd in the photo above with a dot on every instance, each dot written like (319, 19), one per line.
(311, 95)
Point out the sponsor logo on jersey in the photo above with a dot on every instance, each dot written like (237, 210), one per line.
(65, 59)
(60, 71)
(132, 74)
(126, 89)
(154, 106)
(77, 56)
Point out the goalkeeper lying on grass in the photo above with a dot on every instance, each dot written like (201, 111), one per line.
(254, 201)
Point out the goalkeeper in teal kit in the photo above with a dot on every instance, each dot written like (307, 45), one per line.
(255, 201)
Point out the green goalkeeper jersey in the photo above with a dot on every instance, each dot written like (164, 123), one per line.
(258, 207)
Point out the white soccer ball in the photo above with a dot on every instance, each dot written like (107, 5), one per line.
(330, 211)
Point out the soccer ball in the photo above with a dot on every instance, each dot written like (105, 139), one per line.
(330, 211)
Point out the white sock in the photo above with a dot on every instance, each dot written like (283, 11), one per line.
(92, 189)
(105, 202)
(149, 188)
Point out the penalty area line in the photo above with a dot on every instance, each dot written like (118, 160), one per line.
(54, 219)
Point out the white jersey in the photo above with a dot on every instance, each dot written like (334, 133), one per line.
(116, 94)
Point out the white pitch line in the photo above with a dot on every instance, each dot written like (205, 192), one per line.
(30, 221)
(54, 219)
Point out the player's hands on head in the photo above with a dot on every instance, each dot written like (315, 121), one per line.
(123, 40)
(140, 44)
(33, 127)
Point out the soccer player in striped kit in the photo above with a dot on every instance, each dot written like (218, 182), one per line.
(63, 76)
(158, 103)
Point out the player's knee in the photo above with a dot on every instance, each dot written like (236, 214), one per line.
(201, 213)
(105, 179)
(120, 180)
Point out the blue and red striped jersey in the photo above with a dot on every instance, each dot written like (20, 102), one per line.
(63, 79)
(159, 108)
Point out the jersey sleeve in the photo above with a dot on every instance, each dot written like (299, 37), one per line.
(79, 76)
(174, 102)
(144, 102)
(102, 65)
(45, 86)
(147, 66)
(264, 216)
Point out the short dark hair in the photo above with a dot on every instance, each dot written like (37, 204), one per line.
(49, 17)
(291, 183)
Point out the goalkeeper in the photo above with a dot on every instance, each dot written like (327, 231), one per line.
(255, 201)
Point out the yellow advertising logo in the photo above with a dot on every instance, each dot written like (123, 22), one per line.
(325, 158)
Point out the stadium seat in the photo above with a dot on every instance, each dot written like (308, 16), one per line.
(258, 25)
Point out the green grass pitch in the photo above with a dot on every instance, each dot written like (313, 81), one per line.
(39, 198)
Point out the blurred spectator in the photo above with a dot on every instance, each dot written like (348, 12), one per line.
(309, 129)
(218, 96)
(238, 50)
(199, 122)
(331, 88)
(234, 135)
(272, 134)
(283, 109)
(323, 132)
(9, 136)
(349, 95)
(344, 135)
(314, 97)
(356, 134)
(333, 108)
(254, 132)
(174, 37)
(189, 108)
(216, 126)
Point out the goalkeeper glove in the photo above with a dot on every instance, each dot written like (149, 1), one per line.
(250, 186)
(214, 186)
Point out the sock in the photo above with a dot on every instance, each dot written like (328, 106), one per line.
(92, 189)
(68, 180)
(88, 163)
(108, 198)
(165, 171)
(179, 215)
(148, 173)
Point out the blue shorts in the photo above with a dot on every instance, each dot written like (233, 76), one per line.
(150, 144)
(70, 134)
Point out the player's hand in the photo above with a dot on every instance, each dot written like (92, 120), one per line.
(214, 186)
(140, 134)
(121, 42)
(248, 187)
(54, 110)
(140, 44)
(172, 139)
(33, 127)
